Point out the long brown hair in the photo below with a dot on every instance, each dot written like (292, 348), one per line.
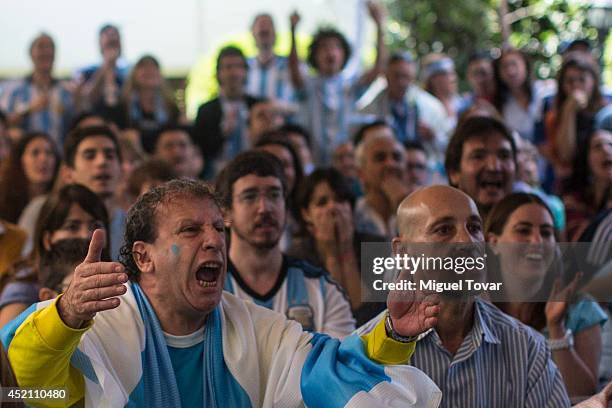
(495, 224)
(14, 185)
(583, 64)
(502, 91)
(131, 87)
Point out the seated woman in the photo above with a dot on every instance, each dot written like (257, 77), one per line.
(521, 227)
(586, 192)
(328, 238)
(73, 212)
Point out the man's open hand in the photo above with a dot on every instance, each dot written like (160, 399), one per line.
(413, 312)
(94, 286)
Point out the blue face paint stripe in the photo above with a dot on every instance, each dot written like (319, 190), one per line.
(175, 249)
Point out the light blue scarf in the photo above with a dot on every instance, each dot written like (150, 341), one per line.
(160, 388)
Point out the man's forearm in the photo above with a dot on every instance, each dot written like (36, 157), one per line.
(383, 349)
(40, 355)
(294, 64)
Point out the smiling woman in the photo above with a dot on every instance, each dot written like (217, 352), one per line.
(572, 325)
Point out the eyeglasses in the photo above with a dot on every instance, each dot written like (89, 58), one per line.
(249, 197)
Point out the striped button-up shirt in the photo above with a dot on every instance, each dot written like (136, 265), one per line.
(271, 81)
(328, 111)
(501, 363)
(17, 95)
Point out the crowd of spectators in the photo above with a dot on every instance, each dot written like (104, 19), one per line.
(309, 165)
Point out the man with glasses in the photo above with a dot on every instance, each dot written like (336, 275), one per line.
(253, 189)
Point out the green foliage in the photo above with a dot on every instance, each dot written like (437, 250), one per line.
(547, 23)
(459, 28)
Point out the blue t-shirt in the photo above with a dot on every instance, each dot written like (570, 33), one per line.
(583, 314)
(188, 362)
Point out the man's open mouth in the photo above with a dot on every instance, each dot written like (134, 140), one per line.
(208, 273)
(492, 181)
(102, 177)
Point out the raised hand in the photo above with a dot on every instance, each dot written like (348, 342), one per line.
(94, 286)
(557, 304)
(580, 98)
(376, 11)
(294, 20)
(394, 187)
(345, 230)
(413, 312)
(324, 232)
(110, 55)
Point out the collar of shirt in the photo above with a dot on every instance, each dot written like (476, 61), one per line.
(185, 341)
(270, 63)
(30, 80)
(227, 104)
(482, 329)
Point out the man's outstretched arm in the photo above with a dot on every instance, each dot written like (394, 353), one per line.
(43, 345)
(40, 355)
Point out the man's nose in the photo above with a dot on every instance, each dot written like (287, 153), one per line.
(214, 240)
(464, 236)
(493, 162)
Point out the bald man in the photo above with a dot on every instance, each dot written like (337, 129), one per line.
(381, 167)
(477, 355)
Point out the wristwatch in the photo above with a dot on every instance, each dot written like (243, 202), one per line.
(564, 343)
(393, 334)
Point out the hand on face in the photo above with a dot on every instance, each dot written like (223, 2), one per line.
(394, 187)
(110, 54)
(94, 287)
(323, 227)
(333, 230)
(343, 220)
(413, 312)
(580, 98)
